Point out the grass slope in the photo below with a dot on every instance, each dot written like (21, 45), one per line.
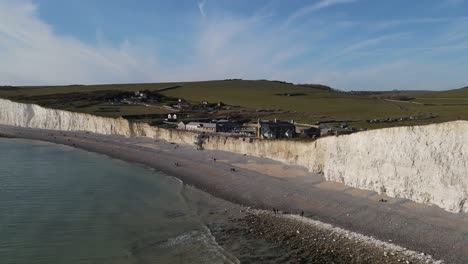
(304, 104)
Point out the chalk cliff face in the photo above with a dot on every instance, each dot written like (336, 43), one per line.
(27, 115)
(427, 164)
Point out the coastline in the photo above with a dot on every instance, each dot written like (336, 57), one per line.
(247, 186)
(6, 136)
(419, 163)
(318, 240)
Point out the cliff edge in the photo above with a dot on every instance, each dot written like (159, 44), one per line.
(426, 164)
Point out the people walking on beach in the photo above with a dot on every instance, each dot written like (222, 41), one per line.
(177, 164)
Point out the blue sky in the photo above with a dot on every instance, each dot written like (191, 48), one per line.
(347, 44)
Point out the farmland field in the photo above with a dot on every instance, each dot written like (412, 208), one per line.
(305, 104)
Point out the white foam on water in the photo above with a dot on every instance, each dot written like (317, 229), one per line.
(210, 252)
(388, 247)
(228, 257)
(178, 180)
(182, 239)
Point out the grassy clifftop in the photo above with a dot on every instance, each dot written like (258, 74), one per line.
(304, 103)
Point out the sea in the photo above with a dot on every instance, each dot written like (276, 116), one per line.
(63, 205)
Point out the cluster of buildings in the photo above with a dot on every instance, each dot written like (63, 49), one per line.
(205, 105)
(267, 129)
(216, 126)
(134, 97)
(276, 129)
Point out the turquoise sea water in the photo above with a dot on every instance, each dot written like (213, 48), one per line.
(62, 205)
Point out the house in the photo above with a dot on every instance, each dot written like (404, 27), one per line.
(311, 132)
(247, 131)
(203, 127)
(181, 125)
(181, 103)
(276, 129)
(226, 126)
(138, 95)
(325, 130)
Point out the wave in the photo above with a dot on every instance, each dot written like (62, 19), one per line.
(202, 239)
(388, 247)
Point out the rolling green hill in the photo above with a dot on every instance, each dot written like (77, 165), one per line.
(303, 103)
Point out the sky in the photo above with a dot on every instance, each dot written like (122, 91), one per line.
(346, 44)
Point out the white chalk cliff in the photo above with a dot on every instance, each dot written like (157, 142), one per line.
(34, 116)
(427, 164)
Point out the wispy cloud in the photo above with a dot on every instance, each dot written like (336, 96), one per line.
(243, 47)
(223, 47)
(404, 74)
(346, 55)
(382, 25)
(321, 4)
(363, 44)
(201, 8)
(32, 53)
(456, 32)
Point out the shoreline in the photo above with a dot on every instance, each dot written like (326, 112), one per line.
(6, 136)
(323, 239)
(417, 163)
(251, 188)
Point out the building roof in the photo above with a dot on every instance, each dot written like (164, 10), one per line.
(277, 123)
(311, 129)
(198, 124)
(253, 129)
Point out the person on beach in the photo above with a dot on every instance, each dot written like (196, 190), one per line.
(302, 213)
(274, 210)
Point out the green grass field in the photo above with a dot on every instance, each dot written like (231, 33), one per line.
(305, 105)
(314, 105)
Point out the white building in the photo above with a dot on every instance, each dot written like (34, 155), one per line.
(204, 127)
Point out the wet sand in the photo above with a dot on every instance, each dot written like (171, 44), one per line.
(291, 189)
